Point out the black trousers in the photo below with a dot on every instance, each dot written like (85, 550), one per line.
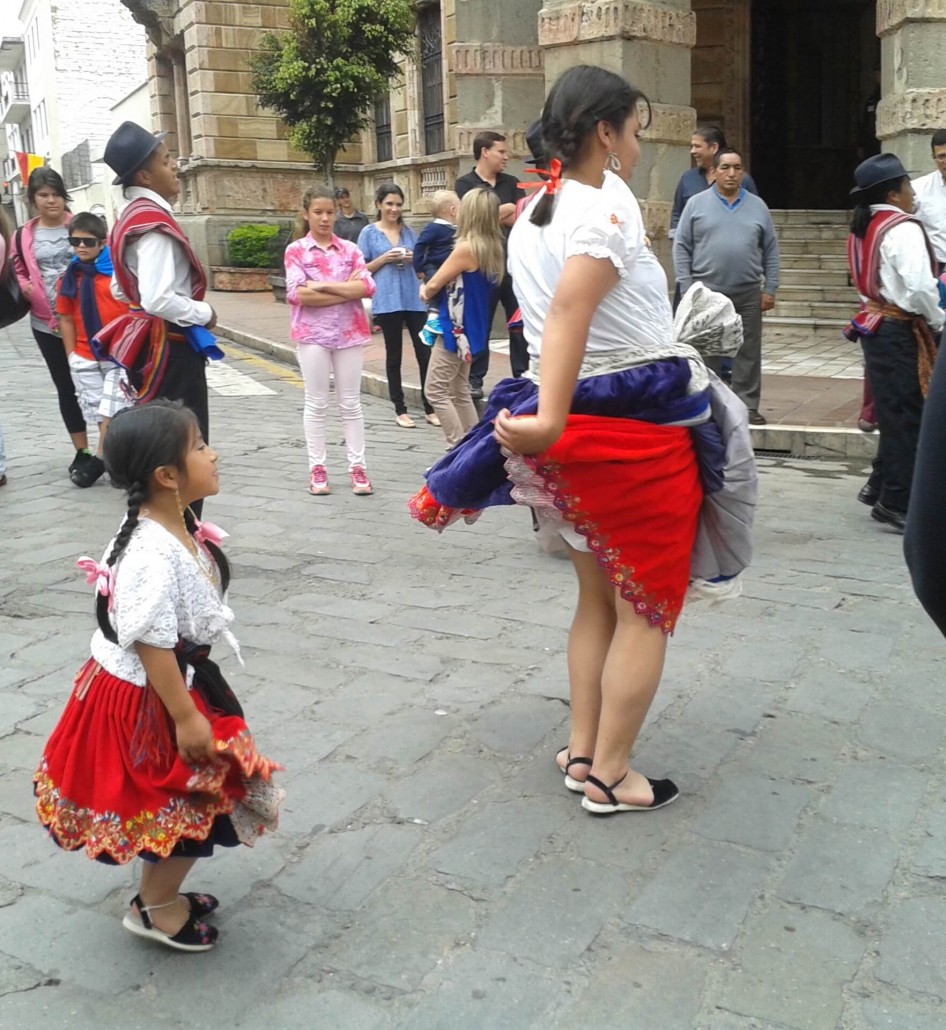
(185, 380)
(518, 348)
(925, 542)
(392, 328)
(54, 354)
(891, 359)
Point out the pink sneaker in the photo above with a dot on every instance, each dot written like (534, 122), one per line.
(318, 481)
(360, 484)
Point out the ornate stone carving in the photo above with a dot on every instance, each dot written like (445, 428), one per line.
(496, 59)
(157, 16)
(616, 19)
(892, 14)
(917, 110)
(669, 124)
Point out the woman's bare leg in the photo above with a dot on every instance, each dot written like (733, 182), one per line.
(161, 885)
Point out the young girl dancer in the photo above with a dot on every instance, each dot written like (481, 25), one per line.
(151, 756)
(326, 280)
(461, 330)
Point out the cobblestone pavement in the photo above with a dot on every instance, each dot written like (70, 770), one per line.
(431, 871)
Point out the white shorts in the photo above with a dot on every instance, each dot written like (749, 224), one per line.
(98, 388)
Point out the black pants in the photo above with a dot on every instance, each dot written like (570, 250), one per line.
(925, 541)
(518, 348)
(891, 359)
(185, 380)
(54, 354)
(392, 327)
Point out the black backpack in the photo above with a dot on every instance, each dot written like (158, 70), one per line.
(13, 305)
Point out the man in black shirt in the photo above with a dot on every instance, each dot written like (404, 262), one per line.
(349, 221)
(489, 150)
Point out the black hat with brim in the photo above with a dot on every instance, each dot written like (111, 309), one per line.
(536, 144)
(875, 170)
(128, 148)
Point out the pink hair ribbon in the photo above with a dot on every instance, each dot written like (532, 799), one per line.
(101, 576)
(207, 533)
(552, 177)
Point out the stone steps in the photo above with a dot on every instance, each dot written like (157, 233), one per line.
(823, 278)
(782, 217)
(814, 292)
(814, 262)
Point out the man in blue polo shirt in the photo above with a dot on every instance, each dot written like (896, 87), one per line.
(727, 241)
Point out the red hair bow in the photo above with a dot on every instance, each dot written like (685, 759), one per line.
(552, 177)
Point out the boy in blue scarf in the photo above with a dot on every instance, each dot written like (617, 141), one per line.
(85, 304)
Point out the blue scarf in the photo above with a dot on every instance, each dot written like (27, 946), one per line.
(79, 278)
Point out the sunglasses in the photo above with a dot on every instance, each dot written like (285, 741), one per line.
(84, 241)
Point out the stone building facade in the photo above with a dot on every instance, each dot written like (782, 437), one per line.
(788, 80)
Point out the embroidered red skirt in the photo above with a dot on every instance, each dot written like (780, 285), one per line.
(111, 781)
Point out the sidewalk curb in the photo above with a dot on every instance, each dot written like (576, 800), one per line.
(839, 443)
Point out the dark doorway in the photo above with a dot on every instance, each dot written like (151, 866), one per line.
(814, 74)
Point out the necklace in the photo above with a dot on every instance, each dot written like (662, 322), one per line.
(210, 574)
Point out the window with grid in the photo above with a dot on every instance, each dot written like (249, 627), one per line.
(383, 143)
(431, 77)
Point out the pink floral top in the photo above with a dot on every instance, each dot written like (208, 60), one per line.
(341, 325)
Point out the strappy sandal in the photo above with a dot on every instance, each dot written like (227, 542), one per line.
(201, 904)
(192, 936)
(578, 786)
(665, 791)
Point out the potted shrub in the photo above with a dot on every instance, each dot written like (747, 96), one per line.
(250, 259)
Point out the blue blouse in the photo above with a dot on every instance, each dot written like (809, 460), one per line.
(397, 289)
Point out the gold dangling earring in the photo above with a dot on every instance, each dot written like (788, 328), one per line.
(614, 162)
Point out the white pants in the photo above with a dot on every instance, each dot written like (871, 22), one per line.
(317, 363)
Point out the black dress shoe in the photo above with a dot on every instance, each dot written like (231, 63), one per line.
(755, 419)
(868, 495)
(897, 519)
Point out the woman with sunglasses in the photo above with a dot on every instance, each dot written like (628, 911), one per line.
(40, 251)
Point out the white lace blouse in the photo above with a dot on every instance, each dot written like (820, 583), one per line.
(161, 593)
(634, 323)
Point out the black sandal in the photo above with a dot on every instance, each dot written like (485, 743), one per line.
(665, 791)
(578, 786)
(192, 936)
(201, 904)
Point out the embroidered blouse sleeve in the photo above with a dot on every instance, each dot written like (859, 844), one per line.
(601, 235)
(146, 594)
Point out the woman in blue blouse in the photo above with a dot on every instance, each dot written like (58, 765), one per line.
(388, 247)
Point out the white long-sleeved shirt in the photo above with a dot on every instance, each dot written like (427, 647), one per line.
(931, 210)
(163, 272)
(905, 275)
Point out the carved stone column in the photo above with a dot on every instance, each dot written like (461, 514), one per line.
(649, 43)
(913, 106)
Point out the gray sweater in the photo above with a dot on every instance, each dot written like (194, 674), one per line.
(732, 250)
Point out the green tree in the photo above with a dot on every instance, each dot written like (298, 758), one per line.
(325, 73)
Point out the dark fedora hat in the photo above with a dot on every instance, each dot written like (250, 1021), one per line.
(536, 144)
(875, 170)
(128, 148)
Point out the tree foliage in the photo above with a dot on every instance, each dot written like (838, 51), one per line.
(326, 72)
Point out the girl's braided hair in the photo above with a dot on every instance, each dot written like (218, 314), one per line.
(140, 440)
(580, 98)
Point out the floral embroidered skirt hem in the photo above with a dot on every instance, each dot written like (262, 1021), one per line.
(111, 782)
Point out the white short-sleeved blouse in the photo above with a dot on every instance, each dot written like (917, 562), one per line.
(634, 322)
(161, 593)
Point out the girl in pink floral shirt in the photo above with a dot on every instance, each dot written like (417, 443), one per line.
(326, 280)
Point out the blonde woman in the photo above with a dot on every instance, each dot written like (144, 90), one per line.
(467, 279)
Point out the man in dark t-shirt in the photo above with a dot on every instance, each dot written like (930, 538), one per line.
(489, 150)
(349, 221)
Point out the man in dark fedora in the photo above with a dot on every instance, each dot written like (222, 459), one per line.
(893, 268)
(157, 272)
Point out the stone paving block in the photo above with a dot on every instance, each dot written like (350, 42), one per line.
(756, 811)
(89, 948)
(687, 756)
(899, 1015)
(899, 730)
(516, 726)
(865, 648)
(18, 708)
(736, 705)
(297, 744)
(720, 1019)
(495, 840)
(340, 607)
(793, 966)
(930, 857)
(633, 986)
(441, 786)
(15, 976)
(458, 624)
(824, 690)
(701, 894)
(796, 747)
(21, 751)
(421, 668)
(326, 795)
(555, 910)
(843, 869)
(404, 931)
(881, 795)
(307, 1007)
(367, 699)
(488, 990)
(68, 1007)
(912, 949)
(339, 871)
(401, 740)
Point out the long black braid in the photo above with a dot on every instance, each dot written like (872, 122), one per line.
(141, 440)
(580, 98)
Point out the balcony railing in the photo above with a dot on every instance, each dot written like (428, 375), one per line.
(14, 102)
